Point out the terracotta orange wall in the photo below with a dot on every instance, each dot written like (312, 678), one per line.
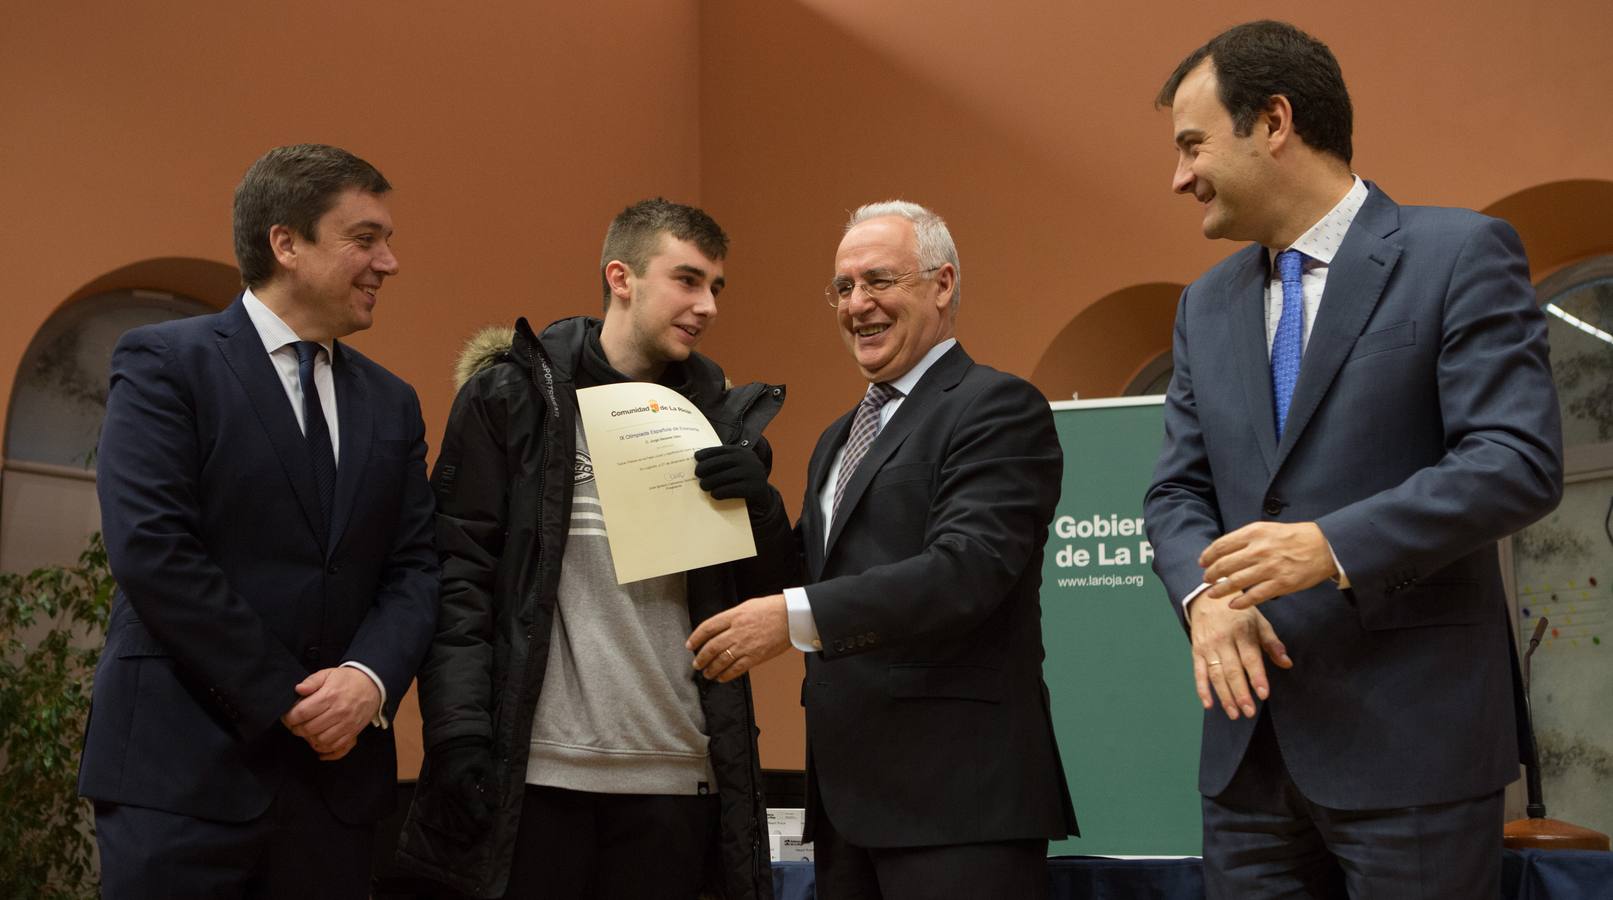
(511, 131)
(514, 130)
(1029, 125)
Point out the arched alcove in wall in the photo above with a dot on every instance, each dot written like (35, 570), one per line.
(1111, 347)
(58, 398)
(1561, 223)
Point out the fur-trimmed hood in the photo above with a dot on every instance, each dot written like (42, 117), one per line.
(484, 348)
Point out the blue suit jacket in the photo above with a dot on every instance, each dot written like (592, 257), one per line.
(927, 719)
(228, 592)
(1423, 428)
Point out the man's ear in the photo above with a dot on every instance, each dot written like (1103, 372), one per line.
(620, 279)
(283, 241)
(946, 281)
(1278, 118)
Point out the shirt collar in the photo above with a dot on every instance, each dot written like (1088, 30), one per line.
(273, 330)
(1321, 241)
(907, 382)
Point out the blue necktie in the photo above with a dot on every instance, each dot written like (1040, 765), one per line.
(316, 431)
(1288, 342)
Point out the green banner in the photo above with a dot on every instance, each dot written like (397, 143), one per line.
(1117, 664)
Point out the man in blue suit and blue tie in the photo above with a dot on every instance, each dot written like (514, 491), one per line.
(268, 521)
(1362, 406)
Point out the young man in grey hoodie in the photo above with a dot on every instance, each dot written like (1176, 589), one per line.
(572, 751)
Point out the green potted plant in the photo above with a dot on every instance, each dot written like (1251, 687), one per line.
(51, 625)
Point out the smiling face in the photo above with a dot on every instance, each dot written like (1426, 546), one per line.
(887, 335)
(1230, 176)
(329, 284)
(658, 316)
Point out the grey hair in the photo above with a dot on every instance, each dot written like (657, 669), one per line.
(935, 241)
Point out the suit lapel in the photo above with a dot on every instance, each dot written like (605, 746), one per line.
(1247, 287)
(353, 418)
(817, 472)
(243, 352)
(942, 376)
(1355, 283)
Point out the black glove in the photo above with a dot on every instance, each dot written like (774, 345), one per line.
(729, 471)
(462, 769)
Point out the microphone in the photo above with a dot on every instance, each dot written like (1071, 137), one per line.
(1536, 808)
(1536, 832)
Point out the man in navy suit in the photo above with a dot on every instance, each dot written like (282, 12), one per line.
(268, 521)
(932, 769)
(1361, 407)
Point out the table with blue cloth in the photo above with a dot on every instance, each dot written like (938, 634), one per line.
(1525, 875)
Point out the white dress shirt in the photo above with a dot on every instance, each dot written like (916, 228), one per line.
(803, 628)
(278, 340)
(1320, 243)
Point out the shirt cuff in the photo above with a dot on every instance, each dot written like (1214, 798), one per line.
(380, 713)
(1189, 598)
(1342, 579)
(803, 628)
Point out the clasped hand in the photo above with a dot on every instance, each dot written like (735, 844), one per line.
(336, 705)
(1245, 568)
(1266, 560)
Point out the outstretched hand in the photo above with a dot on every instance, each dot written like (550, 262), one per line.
(736, 640)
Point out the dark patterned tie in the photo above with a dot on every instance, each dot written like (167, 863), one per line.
(1287, 344)
(864, 427)
(316, 430)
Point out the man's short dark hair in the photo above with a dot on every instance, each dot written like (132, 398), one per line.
(292, 186)
(635, 234)
(1256, 61)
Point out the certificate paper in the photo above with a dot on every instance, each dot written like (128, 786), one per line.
(642, 438)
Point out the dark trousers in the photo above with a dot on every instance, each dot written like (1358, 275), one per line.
(573, 845)
(1262, 838)
(991, 871)
(296, 849)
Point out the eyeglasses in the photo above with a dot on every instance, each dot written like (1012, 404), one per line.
(878, 284)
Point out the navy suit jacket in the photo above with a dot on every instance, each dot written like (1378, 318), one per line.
(228, 592)
(927, 717)
(1423, 428)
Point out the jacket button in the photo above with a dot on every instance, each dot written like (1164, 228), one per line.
(332, 569)
(1274, 505)
(311, 654)
(744, 442)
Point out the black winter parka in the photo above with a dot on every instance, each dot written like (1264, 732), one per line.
(503, 481)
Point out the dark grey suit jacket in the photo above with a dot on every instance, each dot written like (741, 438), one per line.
(1423, 428)
(927, 718)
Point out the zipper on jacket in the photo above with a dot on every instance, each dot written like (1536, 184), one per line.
(758, 826)
(537, 366)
